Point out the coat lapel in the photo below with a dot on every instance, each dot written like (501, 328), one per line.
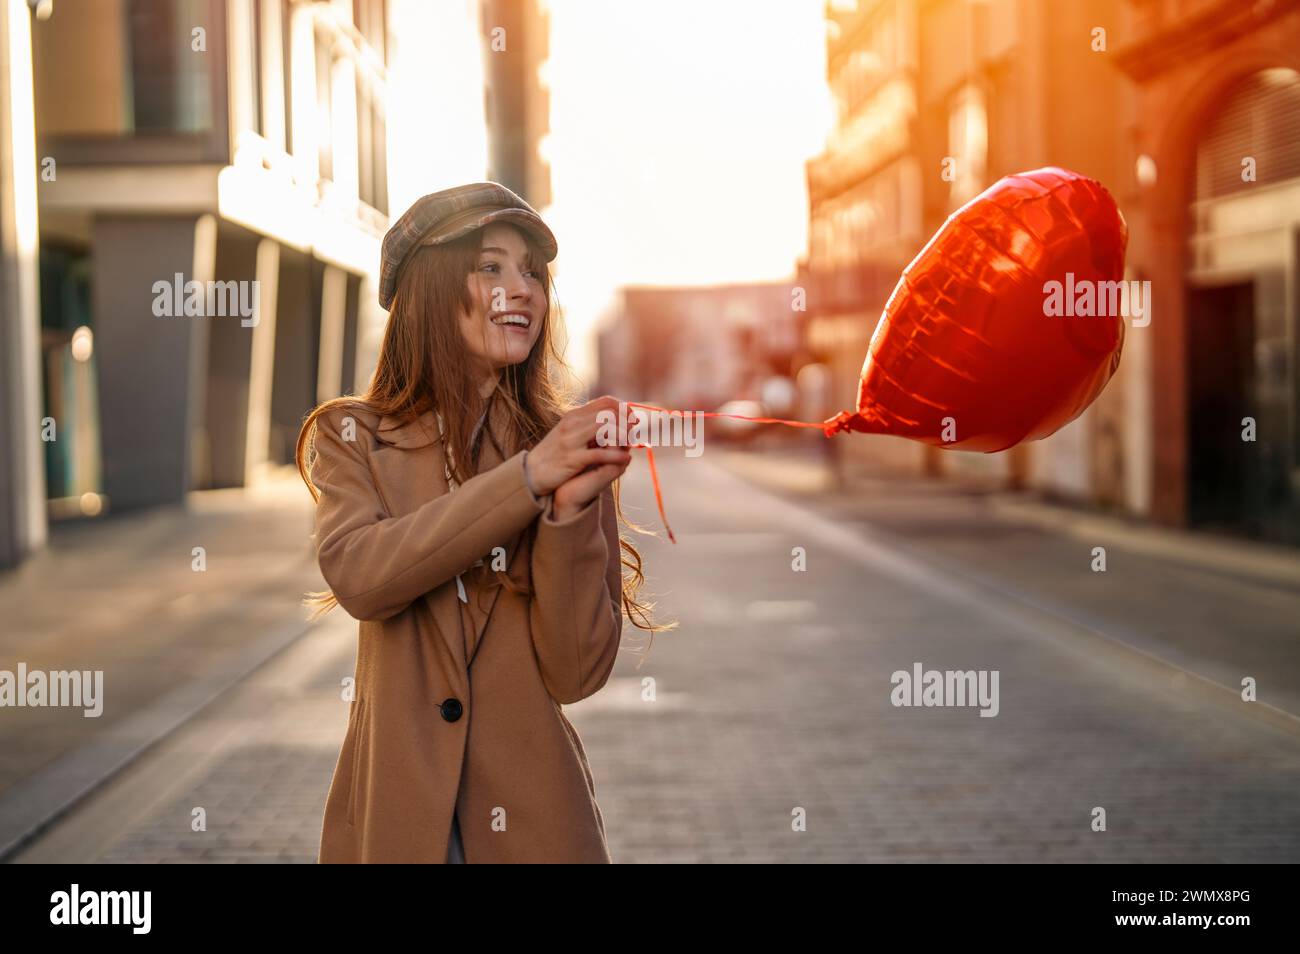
(489, 458)
(409, 472)
(413, 474)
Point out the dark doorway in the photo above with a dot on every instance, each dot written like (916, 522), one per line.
(1221, 385)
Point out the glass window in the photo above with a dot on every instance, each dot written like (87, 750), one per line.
(168, 78)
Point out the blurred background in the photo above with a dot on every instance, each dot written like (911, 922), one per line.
(736, 187)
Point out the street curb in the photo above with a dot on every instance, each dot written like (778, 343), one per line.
(38, 801)
(1246, 559)
(1257, 561)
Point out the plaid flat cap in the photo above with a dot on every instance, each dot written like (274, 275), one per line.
(443, 216)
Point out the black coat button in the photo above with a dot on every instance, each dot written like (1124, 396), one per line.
(452, 709)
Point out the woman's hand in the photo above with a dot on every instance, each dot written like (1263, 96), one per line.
(570, 449)
(576, 492)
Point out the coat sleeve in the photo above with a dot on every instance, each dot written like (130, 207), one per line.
(576, 611)
(377, 564)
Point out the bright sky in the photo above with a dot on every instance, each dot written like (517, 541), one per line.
(679, 132)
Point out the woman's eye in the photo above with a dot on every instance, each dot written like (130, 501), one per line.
(495, 267)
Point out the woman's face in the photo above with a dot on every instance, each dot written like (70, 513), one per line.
(508, 300)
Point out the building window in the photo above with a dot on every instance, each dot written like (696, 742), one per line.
(168, 80)
(72, 463)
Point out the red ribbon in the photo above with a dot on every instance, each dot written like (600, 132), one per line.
(829, 428)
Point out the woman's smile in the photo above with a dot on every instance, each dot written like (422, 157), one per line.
(517, 321)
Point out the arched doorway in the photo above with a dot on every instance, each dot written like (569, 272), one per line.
(1242, 280)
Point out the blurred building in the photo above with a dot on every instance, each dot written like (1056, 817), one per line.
(22, 476)
(865, 194)
(693, 348)
(516, 36)
(1214, 212)
(247, 146)
(938, 99)
(232, 141)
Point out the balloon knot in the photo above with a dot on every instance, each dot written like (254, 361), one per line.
(840, 422)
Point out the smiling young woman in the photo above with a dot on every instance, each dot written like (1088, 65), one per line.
(466, 516)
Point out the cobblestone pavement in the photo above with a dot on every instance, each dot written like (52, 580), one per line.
(773, 699)
(122, 596)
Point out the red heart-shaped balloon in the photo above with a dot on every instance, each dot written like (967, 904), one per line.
(969, 353)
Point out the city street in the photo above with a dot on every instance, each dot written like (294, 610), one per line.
(973, 524)
(772, 700)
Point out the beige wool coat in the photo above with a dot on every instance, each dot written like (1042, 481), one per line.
(457, 705)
